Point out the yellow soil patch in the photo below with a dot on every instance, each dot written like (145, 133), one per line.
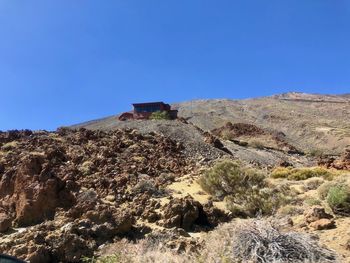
(336, 238)
(188, 186)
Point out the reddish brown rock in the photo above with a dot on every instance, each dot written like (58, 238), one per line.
(341, 163)
(316, 213)
(322, 224)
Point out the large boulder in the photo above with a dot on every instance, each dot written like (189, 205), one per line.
(38, 192)
(317, 218)
(183, 213)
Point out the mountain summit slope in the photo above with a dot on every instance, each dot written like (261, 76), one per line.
(311, 122)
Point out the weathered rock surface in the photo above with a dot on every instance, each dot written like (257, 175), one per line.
(341, 163)
(184, 213)
(5, 222)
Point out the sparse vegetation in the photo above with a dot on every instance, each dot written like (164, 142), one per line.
(316, 153)
(314, 183)
(87, 167)
(160, 115)
(298, 174)
(257, 144)
(312, 201)
(9, 146)
(256, 241)
(147, 186)
(290, 210)
(324, 188)
(227, 135)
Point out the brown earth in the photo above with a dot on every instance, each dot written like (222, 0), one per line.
(249, 134)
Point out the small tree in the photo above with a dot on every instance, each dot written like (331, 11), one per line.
(160, 115)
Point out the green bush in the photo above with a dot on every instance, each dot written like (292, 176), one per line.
(228, 178)
(298, 174)
(245, 190)
(160, 115)
(338, 198)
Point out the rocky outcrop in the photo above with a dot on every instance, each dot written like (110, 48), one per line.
(184, 213)
(68, 188)
(37, 191)
(5, 222)
(341, 163)
(272, 140)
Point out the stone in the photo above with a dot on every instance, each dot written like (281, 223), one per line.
(322, 224)
(316, 213)
(183, 213)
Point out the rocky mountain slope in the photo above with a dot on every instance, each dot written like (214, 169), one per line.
(310, 122)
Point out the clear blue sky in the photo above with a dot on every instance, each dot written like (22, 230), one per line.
(67, 61)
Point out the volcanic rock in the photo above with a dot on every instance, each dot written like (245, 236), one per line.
(184, 213)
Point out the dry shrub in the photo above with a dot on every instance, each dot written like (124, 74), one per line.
(298, 174)
(9, 146)
(264, 201)
(313, 201)
(257, 144)
(227, 135)
(255, 241)
(148, 187)
(314, 183)
(262, 241)
(160, 115)
(281, 172)
(324, 188)
(141, 252)
(291, 210)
